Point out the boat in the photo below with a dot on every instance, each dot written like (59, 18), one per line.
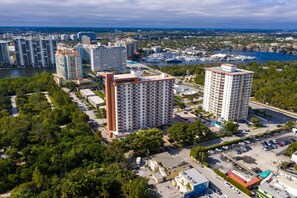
(173, 60)
(152, 60)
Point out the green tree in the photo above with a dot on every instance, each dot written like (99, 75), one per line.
(255, 120)
(292, 148)
(290, 124)
(231, 127)
(37, 178)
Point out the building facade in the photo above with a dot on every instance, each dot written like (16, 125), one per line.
(108, 58)
(135, 101)
(73, 37)
(68, 64)
(84, 51)
(92, 35)
(191, 183)
(85, 40)
(167, 165)
(227, 91)
(130, 44)
(38, 52)
(4, 53)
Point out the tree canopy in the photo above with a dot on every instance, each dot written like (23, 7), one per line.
(186, 134)
(54, 153)
(272, 80)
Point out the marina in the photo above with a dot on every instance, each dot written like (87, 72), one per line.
(161, 59)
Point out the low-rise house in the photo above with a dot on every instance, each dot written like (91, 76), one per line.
(86, 93)
(191, 183)
(266, 190)
(96, 101)
(167, 165)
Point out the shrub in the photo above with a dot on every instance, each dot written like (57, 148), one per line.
(234, 183)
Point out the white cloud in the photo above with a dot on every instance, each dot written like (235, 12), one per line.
(169, 13)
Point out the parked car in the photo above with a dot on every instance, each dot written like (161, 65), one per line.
(274, 146)
(227, 184)
(219, 149)
(225, 147)
(264, 143)
(287, 142)
(257, 139)
(247, 141)
(237, 151)
(235, 190)
(281, 143)
(274, 141)
(266, 148)
(241, 143)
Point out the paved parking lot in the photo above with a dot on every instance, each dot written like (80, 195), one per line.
(256, 158)
(186, 116)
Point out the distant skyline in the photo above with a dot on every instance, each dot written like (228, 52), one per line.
(238, 14)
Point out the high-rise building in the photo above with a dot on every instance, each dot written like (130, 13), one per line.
(130, 44)
(84, 51)
(68, 64)
(85, 40)
(92, 35)
(4, 53)
(64, 37)
(73, 37)
(35, 52)
(108, 58)
(7, 36)
(136, 101)
(156, 49)
(55, 37)
(227, 91)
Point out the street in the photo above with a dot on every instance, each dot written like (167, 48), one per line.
(278, 117)
(209, 174)
(83, 106)
(14, 110)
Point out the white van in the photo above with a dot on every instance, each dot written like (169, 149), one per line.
(138, 160)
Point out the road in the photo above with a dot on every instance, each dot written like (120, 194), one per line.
(210, 175)
(83, 106)
(48, 99)
(278, 116)
(14, 110)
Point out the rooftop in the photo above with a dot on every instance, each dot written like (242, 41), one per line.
(142, 77)
(273, 191)
(87, 92)
(229, 69)
(168, 160)
(193, 176)
(96, 99)
(66, 51)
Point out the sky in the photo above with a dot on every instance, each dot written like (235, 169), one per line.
(241, 14)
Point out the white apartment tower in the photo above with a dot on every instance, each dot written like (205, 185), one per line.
(108, 58)
(227, 91)
(4, 53)
(130, 44)
(68, 64)
(136, 101)
(35, 52)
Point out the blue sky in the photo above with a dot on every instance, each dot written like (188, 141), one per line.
(268, 14)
